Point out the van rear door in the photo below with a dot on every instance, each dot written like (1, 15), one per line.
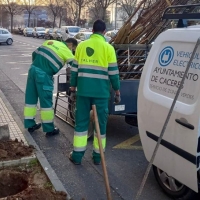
(179, 152)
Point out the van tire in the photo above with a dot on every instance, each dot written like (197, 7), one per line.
(183, 192)
(131, 120)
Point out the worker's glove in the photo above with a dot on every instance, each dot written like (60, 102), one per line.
(117, 99)
(72, 95)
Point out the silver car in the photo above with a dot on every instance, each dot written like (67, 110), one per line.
(28, 32)
(5, 36)
(38, 32)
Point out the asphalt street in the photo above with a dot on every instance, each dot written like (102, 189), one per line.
(125, 159)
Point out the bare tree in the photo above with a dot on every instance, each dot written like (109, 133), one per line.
(54, 8)
(80, 4)
(98, 12)
(127, 8)
(4, 17)
(73, 11)
(12, 8)
(29, 6)
(95, 10)
(104, 5)
(62, 12)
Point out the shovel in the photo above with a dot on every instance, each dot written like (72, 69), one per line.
(101, 153)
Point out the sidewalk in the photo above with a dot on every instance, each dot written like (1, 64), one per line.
(125, 167)
(6, 118)
(9, 116)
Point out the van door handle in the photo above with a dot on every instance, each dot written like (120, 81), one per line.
(184, 123)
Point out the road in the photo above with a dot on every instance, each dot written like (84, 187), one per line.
(125, 160)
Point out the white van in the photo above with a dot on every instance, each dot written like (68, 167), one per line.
(177, 162)
(69, 31)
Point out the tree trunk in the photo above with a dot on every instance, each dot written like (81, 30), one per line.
(54, 20)
(60, 20)
(79, 15)
(103, 14)
(29, 16)
(11, 23)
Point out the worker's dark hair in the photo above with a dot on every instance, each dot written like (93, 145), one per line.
(72, 40)
(99, 26)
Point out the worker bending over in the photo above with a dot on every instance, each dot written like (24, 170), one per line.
(47, 60)
(94, 68)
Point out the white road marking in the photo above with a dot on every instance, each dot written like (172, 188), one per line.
(21, 45)
(24, 56)
(26, 74)
(20, 55)
(21, 63)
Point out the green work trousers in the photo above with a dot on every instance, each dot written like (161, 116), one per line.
(82, 119)
(39, 85)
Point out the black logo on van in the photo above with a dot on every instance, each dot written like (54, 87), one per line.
(89, 51)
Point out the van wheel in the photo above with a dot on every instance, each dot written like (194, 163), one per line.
(9, 41)
(131, 120)
(172, 187)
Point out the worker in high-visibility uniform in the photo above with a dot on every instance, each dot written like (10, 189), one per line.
(47, 60)
(94, 68)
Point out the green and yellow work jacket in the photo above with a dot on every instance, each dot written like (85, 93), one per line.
(94, 68)
(51, 56)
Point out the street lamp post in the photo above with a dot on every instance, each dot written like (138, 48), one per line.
(115, 14)
(1, 15)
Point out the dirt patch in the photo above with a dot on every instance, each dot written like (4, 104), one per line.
(27, 182)
(39, 194)
(11, 150)
(12, 182)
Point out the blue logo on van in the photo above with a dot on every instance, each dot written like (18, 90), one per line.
(166, 56)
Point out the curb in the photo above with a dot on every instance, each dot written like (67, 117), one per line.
(23, 160)
(57, 184)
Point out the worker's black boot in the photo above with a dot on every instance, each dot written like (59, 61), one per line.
(33, 128)
(71, 159)
(54, 132)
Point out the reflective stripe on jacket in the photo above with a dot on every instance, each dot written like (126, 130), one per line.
(52, 56)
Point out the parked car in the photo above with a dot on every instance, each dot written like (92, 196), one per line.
(111, 34)
(69, 31)
(48, 34)
(57, 34)
(38, 32)
(28, 32)
(81, 36)
(20, 30)
(5, 36)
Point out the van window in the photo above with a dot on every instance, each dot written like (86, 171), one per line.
(74, 29)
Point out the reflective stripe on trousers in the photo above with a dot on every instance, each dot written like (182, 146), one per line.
(30, 111)
(47, 115)
(80, 141)
(96, 143)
